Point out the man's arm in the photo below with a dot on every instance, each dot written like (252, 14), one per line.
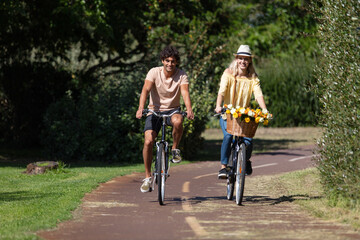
(184, 88)
(144, 95)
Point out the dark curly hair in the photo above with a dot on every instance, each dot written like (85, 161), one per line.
(170, 51)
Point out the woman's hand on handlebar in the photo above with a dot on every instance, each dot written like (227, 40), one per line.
(218, 109)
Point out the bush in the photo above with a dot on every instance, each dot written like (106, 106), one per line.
(338, 84)
(26, 92)
(285, 85)
(202, 104)
(100, 125)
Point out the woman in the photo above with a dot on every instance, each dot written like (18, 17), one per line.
(238, 82)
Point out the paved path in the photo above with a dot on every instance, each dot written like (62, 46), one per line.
(196, 207)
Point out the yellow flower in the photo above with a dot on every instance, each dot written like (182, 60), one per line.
(258, 111)
(266, 122)
(257, 120)
(247, 119)
(227, 111)
(235, 115)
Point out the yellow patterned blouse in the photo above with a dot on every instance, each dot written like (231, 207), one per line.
(239, 94)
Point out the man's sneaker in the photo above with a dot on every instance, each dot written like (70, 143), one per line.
(145, 187)
(176, 158)
(222, 173)
(248, 168)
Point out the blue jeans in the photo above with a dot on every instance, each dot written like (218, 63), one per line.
(226, 144)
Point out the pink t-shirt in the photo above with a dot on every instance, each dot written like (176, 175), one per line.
(165, 94)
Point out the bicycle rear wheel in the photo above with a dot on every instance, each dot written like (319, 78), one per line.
(240, 174)
(160, 168)
(231, 176)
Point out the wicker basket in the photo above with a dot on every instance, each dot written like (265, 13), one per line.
(240, 128)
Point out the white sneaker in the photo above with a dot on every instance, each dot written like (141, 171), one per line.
(145, 187)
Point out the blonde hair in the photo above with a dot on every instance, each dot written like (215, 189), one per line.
(235, 69)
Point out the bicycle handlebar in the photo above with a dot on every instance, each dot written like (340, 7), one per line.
(159, 114)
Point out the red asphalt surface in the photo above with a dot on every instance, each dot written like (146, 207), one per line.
(196, 207)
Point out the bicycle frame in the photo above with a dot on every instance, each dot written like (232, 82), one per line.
(162, 150)
(235, 146)
(163, 134)
(238, 171)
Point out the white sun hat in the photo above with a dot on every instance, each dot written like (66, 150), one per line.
(244, 50)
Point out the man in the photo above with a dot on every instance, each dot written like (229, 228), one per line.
(165, 85)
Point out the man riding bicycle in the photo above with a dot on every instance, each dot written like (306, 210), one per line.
(165, 84)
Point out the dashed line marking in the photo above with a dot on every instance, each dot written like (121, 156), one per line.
(186, 206)
(186, 187)
(205, 175)
(265, 165)
(196, 227)
(299, 158)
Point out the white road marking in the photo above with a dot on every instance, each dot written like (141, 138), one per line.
(299, 158)
(196, 227)
(186, 206)
(206, 175)
(186, 187)
(265, 165)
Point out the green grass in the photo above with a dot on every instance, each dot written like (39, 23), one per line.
(32, 202)
(304, 186)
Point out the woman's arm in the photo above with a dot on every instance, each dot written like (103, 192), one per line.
(261, 102)
(219, 101)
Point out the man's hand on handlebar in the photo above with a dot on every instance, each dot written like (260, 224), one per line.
(139, 113)
(190, 114)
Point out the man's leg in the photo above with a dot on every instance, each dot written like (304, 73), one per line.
(176, 121)
(150, 136)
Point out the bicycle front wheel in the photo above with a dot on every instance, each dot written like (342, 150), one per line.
(231, 176)
(240, 174)
(161, 173)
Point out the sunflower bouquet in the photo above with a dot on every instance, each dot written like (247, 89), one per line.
(244, 121)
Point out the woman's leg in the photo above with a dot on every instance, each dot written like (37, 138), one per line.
(226, 144)
(249, 147)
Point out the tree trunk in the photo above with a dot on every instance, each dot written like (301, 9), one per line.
(40, 167)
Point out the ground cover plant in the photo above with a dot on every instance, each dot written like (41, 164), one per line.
(32, 202)
(311, 196)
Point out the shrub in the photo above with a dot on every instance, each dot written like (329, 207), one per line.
(285, 85)
(338, 84)
(100, 125)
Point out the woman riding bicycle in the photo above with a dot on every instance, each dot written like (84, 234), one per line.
(238, 82)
